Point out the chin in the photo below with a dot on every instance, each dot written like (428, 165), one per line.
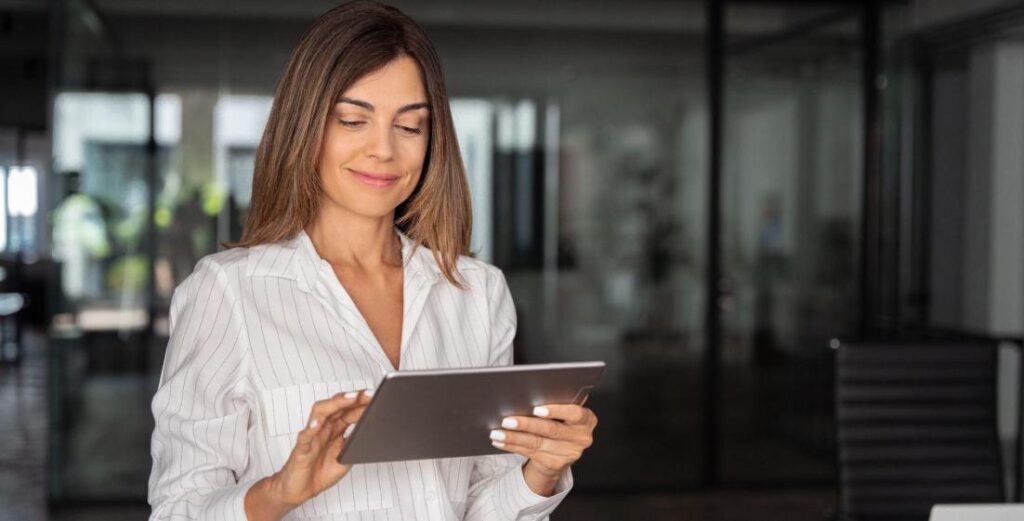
(370, 211)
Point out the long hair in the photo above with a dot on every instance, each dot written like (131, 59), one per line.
(343, 45)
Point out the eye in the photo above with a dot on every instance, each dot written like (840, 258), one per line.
(413, 131)
(351, 124)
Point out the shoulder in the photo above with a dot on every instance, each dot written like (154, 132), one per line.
(478, 275)
(489, 276)
(227, 262)
(216, 270)
(470, 264)
(212, 280)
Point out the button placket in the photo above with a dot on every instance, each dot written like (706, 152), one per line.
(431, 485)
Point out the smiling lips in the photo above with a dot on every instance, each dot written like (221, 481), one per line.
(375, 179)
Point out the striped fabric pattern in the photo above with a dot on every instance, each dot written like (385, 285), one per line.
(259, 334)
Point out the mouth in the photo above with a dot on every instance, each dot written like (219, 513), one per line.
(375, 179)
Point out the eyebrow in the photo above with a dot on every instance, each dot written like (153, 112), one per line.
(368, 106)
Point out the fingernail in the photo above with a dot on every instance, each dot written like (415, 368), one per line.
(498, 444)
(497, 435)
(314, 423)
(509, 423)
(541, 411)
(368, 392)
(348, 430)
(351, 394)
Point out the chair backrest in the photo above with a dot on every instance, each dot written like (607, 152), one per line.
(916, 425)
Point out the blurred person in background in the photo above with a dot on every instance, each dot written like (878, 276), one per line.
(79, 241)
(354, 262)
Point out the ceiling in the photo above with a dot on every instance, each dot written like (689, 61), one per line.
(673, 16)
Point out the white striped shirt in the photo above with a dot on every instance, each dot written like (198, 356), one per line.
(259, 334)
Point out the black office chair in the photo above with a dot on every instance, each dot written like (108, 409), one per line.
(916, 425)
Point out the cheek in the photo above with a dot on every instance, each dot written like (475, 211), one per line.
(414, 153)
(337, 150)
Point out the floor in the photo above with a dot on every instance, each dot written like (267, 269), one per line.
(725, 506)
(23, 432)
(24, 422)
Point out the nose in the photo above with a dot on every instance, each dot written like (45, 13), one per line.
(378, 143)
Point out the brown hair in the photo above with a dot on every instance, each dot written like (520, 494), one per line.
(343, 45)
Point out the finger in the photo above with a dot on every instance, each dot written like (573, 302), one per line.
(516, 449)
(335, 448)
(347, 419)
(543, 458)
(529, 441)
(333, 451)
(365, 396)
(310, 439)
(350, 414)
(338, 424)
(580, 435)
(539, 426)
(304, 443)
(339, 402)
(324, 408)
(569, 413)
(553, 453)
(344, 423)
(355, 414)
(343, 426)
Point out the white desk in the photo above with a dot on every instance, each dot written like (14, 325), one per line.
(995, 512)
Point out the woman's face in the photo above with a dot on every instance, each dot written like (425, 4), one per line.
(376, 141)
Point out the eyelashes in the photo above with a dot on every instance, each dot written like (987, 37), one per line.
(412, 131)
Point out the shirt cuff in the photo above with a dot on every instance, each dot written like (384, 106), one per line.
(517, 501)
(226, 504)
(229, 504)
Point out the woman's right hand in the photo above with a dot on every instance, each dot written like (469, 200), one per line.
(313, 464)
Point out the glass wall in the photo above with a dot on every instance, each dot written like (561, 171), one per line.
(791, 225)
(99, 230)
(599, 224)
(114, 290)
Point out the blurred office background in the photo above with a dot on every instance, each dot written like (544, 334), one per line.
(713, 197)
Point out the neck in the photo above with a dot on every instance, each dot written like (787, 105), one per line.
(344, 239)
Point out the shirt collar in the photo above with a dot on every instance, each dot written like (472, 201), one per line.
(297, 259)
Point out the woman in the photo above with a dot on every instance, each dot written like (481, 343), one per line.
(353, 263)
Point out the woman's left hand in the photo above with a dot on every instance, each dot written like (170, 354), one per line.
(554, 438)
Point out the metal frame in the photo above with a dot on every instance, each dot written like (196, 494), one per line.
(871, 204)
(711, 361)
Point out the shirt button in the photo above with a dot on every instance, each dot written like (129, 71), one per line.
(431, 497)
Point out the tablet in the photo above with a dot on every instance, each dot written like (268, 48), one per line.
(450, 412)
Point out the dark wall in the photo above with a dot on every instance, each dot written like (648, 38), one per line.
(23, 68)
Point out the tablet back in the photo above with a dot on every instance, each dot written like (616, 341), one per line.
(450, 413)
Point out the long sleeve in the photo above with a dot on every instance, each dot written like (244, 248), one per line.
(498, 490)
(199, 444)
